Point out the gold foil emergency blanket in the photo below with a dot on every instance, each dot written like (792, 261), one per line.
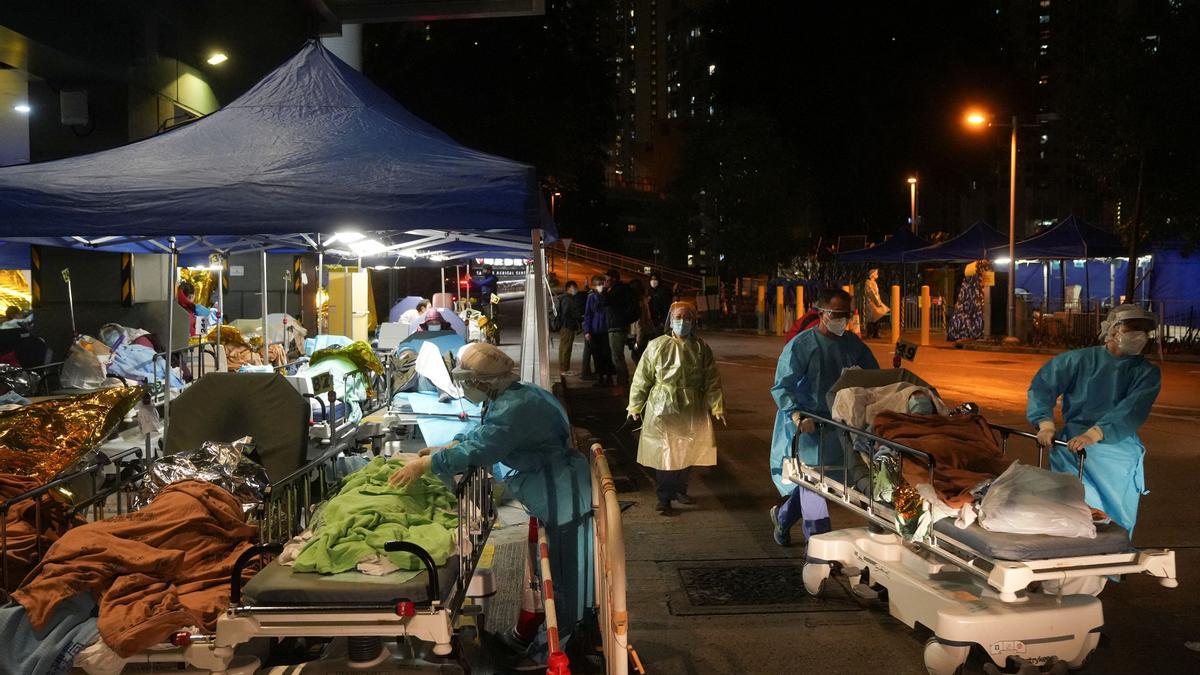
(41, 439)
(909, 508)
(203, 281)
(360, 353)
(229, 336)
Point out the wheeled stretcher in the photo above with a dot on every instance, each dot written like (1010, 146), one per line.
(970, 588)
(376, 621)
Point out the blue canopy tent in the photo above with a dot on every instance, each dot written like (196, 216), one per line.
(314, 147)
(313, 150)
(890, 251)
(972, 244)
(1070, 240)
(1175, 284)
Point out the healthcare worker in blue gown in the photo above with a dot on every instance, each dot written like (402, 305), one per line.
(524, 427)
(1107, 392)
(809, 365)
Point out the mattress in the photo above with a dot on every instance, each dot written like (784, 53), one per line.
(1110, 538)
(278, 584)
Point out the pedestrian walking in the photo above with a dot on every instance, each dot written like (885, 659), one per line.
(676, 391)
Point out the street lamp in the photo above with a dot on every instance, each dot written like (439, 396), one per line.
(978, 120)
(554, 195)
(912, 189)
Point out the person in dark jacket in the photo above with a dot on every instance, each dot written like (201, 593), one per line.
(595, 333)
(570, 322)
(620, 310)
(486, 283)
(660, 302)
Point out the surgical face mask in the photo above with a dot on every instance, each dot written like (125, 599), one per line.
(654, 283)
(681, 327)
(920, 405)
(474, 394)
(599, 288)
(433, 327)
(1132, 343)
(836, 326)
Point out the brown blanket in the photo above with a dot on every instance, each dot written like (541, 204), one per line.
(963, 447)
(21, 526)
(152, 572)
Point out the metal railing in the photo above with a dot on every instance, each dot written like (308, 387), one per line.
(609, 551)
(624, 263)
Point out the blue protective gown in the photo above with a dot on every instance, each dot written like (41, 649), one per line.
(527, 430)
(809, 365)
(1114, 393)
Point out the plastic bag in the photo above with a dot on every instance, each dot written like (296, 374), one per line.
(1029, 500)
(85, 367)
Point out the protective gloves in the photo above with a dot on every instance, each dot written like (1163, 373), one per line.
(1046, 433)
(409, 473)
(1093, 435)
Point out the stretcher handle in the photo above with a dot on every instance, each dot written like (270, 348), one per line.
(1005, 432)
(433, 586)
(235, 579)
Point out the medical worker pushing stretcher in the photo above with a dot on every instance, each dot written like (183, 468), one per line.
(810, 364)
(1107, 392)
(524, 427)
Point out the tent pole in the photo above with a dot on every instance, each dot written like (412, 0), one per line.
(1045, 286)
(320, 286)
(171, 272)
(266, 352)
(1112, 282)
(220, 304)
(443, 271)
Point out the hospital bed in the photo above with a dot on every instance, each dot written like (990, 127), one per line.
(92, 491)
(362, 615)
(970, 588)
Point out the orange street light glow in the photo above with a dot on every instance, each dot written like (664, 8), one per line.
(976, 119)
(912, 181)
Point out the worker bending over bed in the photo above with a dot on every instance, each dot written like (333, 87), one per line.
(809, 365)
(1107, 392)
(524, 427)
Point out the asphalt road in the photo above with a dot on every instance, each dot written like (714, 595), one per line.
(675, 631)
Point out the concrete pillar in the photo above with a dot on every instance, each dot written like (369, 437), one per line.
(895, 314)
(799, 301)
(925, 308)
(348, 47)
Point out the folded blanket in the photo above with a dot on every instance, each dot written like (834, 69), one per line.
(153, 571)
(963, 447)
(368, 512)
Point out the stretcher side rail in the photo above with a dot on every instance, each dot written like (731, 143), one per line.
(1007, 577)
(288, 506)
(101, 491)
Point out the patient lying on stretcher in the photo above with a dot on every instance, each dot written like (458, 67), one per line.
(967, 459)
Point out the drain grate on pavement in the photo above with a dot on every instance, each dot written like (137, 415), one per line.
(749, 587)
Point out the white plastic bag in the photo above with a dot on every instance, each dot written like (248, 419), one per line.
(1029, 500)
(85, 366)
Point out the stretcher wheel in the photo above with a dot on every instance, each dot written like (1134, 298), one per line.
(814, 576)
(941, 659)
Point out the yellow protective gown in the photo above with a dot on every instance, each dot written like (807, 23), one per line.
(675, 388)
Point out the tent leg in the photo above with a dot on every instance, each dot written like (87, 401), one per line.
(266, 352)
(220, 305)
(171, 272)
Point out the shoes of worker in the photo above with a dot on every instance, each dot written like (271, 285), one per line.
(780, 534)
(663, 506)
(684, 499)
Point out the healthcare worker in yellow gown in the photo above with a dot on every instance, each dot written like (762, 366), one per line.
(675, 389)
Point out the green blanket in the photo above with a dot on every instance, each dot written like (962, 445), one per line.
(368, 512)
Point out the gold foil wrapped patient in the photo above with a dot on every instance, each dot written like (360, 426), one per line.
(41, 439)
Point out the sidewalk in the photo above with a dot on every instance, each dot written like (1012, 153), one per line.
(708, 589)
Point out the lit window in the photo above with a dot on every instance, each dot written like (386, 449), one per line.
(1044, 18)
(711, 111)
(712, 68)
(1045, 138)
(1044, 3)
(1044, 49)
(631, 227)
(1044, 79)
